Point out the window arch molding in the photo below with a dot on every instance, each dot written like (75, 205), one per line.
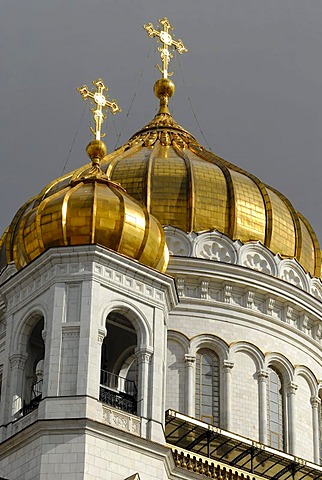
(210, 342)
(26, 325)
(282, 365)
(254, 353)
(180, 338)
(135, 316)
(308, 375)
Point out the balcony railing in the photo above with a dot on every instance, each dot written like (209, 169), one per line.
(36, 394)
(118, 392)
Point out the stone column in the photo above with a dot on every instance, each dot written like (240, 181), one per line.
(101, 334)
(315, 404)
(262, 379)
(227, 395)
(17, 365)
(143, 356)
(190, 384)
(291, 391)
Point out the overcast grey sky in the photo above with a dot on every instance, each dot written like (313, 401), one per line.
(253, 72)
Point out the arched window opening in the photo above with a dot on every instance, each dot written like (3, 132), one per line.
(275, 407)
(207, 386)
(118, 386)
(34, 368)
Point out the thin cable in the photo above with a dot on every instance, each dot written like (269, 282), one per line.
(115, 129)
(71, 148)
(133, 98)
(190, 103)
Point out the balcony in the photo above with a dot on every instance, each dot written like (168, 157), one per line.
(35, 398)
(216, 453)
(118, 392)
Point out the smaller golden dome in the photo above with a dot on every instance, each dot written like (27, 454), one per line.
(90, 209)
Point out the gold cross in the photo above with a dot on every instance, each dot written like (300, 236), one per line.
(167, 41)
(101, 102)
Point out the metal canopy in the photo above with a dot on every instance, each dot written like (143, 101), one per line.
(236, 451)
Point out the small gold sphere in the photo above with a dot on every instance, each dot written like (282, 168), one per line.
(164, 87)
(96, 149)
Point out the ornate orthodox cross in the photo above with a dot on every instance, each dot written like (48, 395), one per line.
(101, 103)
(167, 41)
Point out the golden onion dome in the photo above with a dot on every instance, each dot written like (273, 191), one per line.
(164, 168)
(184, 185)
(87, 208)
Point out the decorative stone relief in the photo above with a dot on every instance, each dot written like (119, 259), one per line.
(249, 299)
(290, 276)
(121, 420)
(228, 290)
(270, 303)
(317, 332)
(288, 314)
(257, 257)
(292, 272)
(204, 289)
(18, 360)
(216, 247)
(178, 242)
(180, 286)
(305, 323)
(316, 288)
(101, 334)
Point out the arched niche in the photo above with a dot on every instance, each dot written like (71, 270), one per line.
(35, 357)
(119, 368)
(27, 364)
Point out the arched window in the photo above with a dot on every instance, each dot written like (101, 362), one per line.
(275, 407)
(118, 364)
(207, 386)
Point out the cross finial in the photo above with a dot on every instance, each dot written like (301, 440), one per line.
(167, 41)
(101, 103)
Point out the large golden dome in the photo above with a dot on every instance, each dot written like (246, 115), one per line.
(85, 208)
(190, 188)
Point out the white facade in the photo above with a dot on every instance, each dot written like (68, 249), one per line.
(253, 310)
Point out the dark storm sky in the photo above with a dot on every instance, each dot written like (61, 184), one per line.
(253, 73)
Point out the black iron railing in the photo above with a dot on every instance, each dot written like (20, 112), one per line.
(36, 394)
(118, 392)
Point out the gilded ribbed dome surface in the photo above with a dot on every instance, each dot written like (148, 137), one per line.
(83, 209)
(178, 182)
(166, 170)
(190, 188)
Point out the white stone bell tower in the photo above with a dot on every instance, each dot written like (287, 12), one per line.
(67, 315)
